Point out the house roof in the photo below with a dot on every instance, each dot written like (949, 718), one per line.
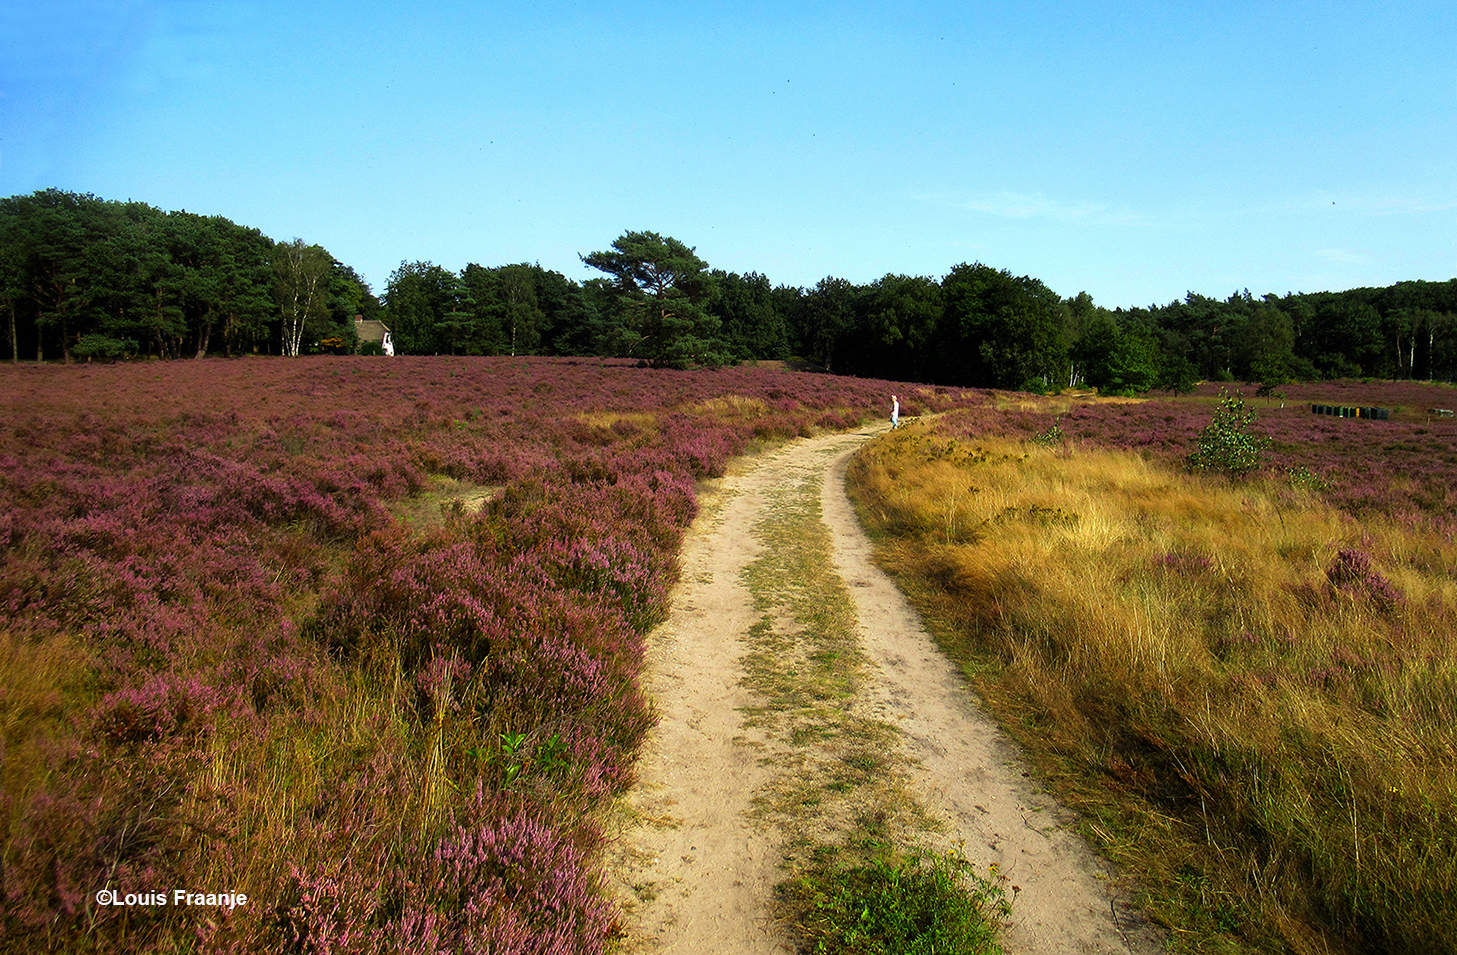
(371, 331)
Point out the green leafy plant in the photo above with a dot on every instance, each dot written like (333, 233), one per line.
(552, 755)
(1227, 445)
(1049, 438)
(511, 744)
(919, 903)
(1303, 477)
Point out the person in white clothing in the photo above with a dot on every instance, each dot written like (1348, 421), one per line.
(895, 412)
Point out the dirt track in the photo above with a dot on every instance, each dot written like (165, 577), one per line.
(696, 870)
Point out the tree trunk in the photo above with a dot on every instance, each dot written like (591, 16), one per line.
(14, 344)
(203, 335)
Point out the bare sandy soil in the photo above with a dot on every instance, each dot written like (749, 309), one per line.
(695, 866)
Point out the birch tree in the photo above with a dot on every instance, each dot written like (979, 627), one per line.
(302, 290)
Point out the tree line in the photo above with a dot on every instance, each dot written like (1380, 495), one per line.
(975, 326)
(82, 277)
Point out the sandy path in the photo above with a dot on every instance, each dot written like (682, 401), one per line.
(696, 870)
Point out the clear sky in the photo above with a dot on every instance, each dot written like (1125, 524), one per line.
(1133, 150)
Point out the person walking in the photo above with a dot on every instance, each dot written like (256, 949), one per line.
(895, 412)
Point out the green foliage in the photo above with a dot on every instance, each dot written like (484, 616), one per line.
(1117, 358)
(302, 291)
(510, 760)
(826, 317)
(918, 905)
(497, 311)
(79, 274)
(103, 346)
(1176, 374)
(73, 265)
(418, 298)
(1268, 350)
(998, 330)
(751, 323)
(516, 309)
(1306, 479)
(1050, 438)
(1226, 444)
(903, 314)
(662, 289)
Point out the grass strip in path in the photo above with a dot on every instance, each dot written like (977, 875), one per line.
(861, 877)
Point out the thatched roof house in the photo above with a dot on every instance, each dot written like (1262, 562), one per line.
(374, 332)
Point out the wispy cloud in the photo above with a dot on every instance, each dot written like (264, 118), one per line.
(1343, 204)
(1387, 205)
(1342, 257)
(1037, 205)
(1030, 206)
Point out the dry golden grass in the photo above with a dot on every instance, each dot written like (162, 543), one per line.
(40, 683)
(284, 786)
(443, 498)
(730, 406)
(1059, 403)
(643, 420)
(1277, 753)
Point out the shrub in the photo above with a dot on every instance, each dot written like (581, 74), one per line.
(501, 880)
(1351, 573)
(1049, 438)
(1226, 445)
(1303, 477)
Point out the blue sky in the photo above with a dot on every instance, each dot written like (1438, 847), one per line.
(1132, 150)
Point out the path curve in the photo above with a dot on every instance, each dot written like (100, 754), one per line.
(694, 870)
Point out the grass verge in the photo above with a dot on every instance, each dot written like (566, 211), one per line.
(861, 878)
(1250, 696)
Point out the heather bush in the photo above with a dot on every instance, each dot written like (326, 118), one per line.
(253, 673)
(1351, 573)
(500, 880)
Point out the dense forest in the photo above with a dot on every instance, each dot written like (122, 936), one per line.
(82, 278)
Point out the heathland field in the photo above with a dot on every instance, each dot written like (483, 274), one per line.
(356, 638)
(1247, 686)
(361, 640)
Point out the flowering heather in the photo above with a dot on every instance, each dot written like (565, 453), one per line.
(1351, 573)
(499, 880)
(1405, 467)
(252, 646)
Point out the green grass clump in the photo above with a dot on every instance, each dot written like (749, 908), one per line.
(918, 904)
